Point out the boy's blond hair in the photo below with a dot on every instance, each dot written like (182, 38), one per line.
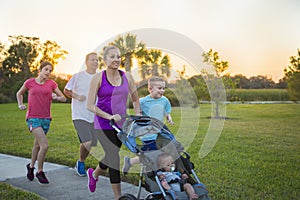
(154, 79)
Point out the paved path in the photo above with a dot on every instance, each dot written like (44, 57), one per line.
(64, 182)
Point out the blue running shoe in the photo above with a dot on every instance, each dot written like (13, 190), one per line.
(80, 168)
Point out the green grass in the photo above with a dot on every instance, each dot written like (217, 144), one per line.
(10, 193)
(256, 157)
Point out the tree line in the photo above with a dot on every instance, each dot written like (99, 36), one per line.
(20, 59)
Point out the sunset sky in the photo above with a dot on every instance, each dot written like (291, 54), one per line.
(256, 37)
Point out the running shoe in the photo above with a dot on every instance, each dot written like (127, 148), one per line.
(80, 168)
(42, 178)
(91, 180)
(30, 172)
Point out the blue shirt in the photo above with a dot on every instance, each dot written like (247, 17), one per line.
(157, 108)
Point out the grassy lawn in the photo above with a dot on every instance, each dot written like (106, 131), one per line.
(256, 157)
(10, 193)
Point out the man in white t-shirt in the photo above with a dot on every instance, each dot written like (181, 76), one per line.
(77, 88)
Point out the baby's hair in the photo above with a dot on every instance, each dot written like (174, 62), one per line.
(45, 63)
(161, 158)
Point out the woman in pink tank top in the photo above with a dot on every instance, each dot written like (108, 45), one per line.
(111, 89)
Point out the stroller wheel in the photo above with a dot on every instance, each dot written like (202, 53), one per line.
(127, 196)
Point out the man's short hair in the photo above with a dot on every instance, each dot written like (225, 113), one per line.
(88, 55)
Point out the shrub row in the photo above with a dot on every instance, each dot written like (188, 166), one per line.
(258, 95)
(232, 95)
(235, 95)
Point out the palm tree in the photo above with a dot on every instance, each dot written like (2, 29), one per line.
(129, 48)
(155, 64)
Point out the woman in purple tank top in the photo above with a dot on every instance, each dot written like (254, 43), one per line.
(107, 98)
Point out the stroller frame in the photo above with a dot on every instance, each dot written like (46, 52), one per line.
(128, 139)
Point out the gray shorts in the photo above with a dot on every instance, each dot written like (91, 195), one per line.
(85, 131)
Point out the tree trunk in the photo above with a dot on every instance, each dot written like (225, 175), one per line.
(127, 63)
(217, 109)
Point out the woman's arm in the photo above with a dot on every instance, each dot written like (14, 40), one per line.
(19, 96)
(94, 87)
(133, 94)
(92, 96)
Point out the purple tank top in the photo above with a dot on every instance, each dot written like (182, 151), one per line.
(111, 99)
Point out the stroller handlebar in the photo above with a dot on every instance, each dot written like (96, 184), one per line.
(112, 122)
(135, 117)
(113, 125)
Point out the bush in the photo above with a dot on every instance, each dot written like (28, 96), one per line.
(5, 99)
(172, 98)
(258, 95)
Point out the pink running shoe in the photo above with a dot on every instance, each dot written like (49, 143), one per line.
(91, 180)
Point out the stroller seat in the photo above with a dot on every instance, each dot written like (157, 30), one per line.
(153, 185)
(136, 126)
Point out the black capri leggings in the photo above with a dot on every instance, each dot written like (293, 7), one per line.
(111, 146)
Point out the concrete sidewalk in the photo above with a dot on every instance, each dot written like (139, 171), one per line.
(64, 182)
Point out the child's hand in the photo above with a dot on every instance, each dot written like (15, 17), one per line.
(171, 122)
(165, 184)
(22, 107)
(54, 96)
(169, 119)
(58, 98)
(184, 176)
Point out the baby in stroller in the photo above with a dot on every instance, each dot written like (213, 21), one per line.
(171, 179)
(136, 126)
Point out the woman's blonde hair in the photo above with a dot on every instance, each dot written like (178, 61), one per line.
(107, 49)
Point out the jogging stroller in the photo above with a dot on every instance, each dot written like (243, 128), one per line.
(136, 126)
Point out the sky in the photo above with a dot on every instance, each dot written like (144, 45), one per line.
(256, 37)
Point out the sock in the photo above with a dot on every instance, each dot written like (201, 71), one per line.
(94, 176)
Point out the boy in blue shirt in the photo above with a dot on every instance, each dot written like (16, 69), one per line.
(154, 105)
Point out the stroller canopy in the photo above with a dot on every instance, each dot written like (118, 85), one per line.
(137, 126)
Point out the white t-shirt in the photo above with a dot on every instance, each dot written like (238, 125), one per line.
(80, 84)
